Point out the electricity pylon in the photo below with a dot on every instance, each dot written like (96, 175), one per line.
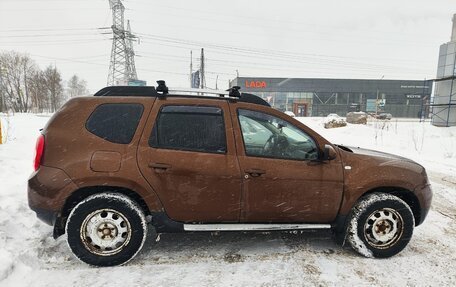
(122, 66)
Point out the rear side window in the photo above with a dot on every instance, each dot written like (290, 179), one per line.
(190, 128)
(116, 123)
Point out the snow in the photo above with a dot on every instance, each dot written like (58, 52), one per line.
(334, 121)
(29, 256)
(334, 118)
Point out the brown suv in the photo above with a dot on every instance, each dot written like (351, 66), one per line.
(109, 167)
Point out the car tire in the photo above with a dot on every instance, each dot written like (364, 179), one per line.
(380, 225)
(106, 229)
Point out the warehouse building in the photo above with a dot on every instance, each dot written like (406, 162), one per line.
(320, 97)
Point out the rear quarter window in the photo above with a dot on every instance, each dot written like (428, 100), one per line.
(115, 123)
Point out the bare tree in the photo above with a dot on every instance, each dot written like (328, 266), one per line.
(39, 93)
(24, 87)
(77, 87)
(53, 81)
(16, 70)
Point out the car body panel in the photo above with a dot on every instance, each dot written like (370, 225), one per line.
(70, 147)
(289, 190)
(366, 170)
(206, 187)
(197, 186)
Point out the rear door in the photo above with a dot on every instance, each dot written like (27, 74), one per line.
(187, 154)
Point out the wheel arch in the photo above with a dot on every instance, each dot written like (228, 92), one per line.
(406, 195)
(84, 192)
(339, 225)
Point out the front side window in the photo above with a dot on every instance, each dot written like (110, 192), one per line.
(190, 128)
(268, 136)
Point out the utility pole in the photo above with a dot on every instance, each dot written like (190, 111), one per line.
(122, 65)
(202, 76)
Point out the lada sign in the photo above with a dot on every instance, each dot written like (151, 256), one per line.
(255, 84)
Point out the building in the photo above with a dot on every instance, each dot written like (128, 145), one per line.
(444, 103)
(320, 97)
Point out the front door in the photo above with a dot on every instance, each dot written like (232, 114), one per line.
(283, 179)
(300, 110)
(187, 154)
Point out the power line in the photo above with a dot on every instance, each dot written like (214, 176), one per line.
(49, 29)
(280, 55)
(44, 35)
(216, 16)
(249, 50)
(55, 43)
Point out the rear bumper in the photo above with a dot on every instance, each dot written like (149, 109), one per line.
(47, 216)
(47, 190)
(424, 195)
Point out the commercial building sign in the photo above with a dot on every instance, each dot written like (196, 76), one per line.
(255, 84)
(413, 96)
(414, 87)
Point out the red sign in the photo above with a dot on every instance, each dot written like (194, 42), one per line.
(255, 84)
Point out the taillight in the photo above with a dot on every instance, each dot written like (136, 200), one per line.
(38, 152)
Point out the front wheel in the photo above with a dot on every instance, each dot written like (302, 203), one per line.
(106, 229)
(380, 225)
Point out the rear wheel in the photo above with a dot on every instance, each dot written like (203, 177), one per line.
(106, 229)
(380, 225)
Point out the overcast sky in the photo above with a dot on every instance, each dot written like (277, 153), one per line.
(329, 39)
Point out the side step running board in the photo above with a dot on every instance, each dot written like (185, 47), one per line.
(252, 227)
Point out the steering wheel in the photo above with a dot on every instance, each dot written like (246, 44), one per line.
(270, 145)
(276, 145)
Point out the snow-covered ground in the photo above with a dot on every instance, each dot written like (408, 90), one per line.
(30, 257)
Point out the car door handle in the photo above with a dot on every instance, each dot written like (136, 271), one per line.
(255, 172)
(159, 166)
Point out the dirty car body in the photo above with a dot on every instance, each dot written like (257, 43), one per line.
(188, 162)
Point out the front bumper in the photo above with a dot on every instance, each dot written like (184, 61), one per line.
(48, 188)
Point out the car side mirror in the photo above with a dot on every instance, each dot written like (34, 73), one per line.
(329, 152)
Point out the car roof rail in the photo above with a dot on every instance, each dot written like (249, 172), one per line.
(230, 93)
(178, 90)
(123, 91)
(163, 91)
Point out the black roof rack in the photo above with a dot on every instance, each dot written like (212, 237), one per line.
(125, 91)
(163, 91)
(254, 99)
